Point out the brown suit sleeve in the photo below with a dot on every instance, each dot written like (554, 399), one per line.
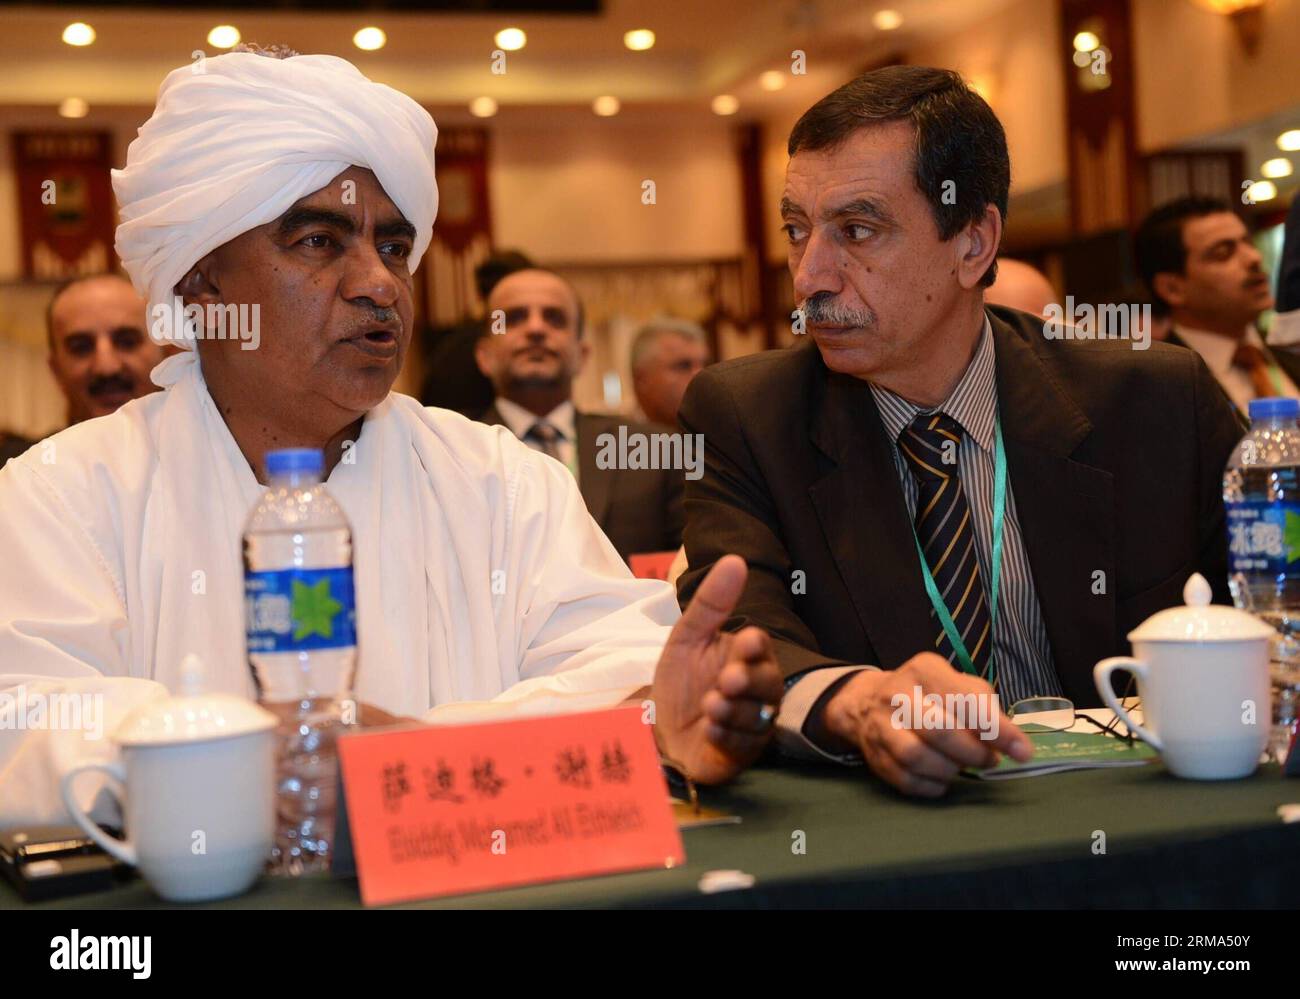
(729, 510)
(674, 517)
(1219, 428)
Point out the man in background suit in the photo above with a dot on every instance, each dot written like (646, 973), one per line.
(1285, 332)
(532, 348)
(1204, 273)
(848, 468)
(454, 380)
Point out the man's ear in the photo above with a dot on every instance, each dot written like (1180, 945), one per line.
(584, 352)
(1171, 287)
(199, 286)
(481, 356)
(54, 369)
(977, 247)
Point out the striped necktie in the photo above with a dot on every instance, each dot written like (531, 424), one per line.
(943, 527)
(547, 436)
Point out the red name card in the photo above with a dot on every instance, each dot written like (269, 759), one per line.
(651, 565)
(443, 810)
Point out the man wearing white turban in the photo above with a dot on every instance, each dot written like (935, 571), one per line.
(294, 191)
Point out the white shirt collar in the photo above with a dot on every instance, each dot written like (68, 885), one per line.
(1215, 348)
(563, 418)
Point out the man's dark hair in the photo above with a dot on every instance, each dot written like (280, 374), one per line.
(958, 138)
(499, 265)
(1158, 245)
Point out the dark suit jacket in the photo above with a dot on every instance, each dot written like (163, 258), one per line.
(1288, 274)
(1115, 458)
(1287, 360)
(639, 509)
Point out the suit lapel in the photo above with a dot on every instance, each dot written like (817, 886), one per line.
(1064, 507)
(593, 482)
(863, 515)
(1288, 362)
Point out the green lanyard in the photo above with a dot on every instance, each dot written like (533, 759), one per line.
(999, 516)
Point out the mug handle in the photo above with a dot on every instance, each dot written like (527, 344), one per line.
(1101, 676)
(122, 849)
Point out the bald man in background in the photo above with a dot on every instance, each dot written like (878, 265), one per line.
(100, 350)
(1020, 286)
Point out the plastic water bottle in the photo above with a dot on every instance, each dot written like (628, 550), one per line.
(300, 620)
(1261, 490)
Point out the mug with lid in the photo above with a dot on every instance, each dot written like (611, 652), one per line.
(1202, 672)
(196, 779)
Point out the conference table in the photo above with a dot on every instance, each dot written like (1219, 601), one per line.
(1030, 842)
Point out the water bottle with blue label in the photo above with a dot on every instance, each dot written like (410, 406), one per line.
(300, 622)
(1261, 491)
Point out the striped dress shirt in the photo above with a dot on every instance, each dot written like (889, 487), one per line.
(1022, 655)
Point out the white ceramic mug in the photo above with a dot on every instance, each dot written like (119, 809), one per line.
(200, 816)
(1206, 704)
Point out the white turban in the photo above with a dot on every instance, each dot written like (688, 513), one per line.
(236, 139)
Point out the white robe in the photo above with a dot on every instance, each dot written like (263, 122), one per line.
(120, 553)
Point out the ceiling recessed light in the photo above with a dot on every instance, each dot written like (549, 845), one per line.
(1277, 167)
(1261, 190)
(1086, 41)
(606, 106)
(483, 107)
(887, 20)
(73, 107)
(725, 104)
(370, 39)
(639, 39)
(511, 39)
(78, 33)
(1289, 141)
(223, 36)
(773, 79)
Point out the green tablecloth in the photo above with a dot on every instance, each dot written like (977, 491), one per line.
(1025, 842)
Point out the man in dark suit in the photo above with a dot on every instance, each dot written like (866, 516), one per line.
(1205, 275)
(1286, 326)
(531, 348)
(851, 469)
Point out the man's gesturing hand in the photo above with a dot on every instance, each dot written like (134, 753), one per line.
(711, 688)
(915, 758)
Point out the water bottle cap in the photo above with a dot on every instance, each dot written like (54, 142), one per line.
(303, 460)
(1279, 408)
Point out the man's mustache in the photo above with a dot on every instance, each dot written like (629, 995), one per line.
(111, 384)
(529, 348)
(371, 318)
(823, 309)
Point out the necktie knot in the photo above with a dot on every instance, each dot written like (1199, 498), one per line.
(543, 432)
(930, 444)
(1247, 356)
(1255, 363)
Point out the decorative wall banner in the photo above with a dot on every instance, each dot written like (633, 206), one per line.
(462, 236)
(65, 203)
